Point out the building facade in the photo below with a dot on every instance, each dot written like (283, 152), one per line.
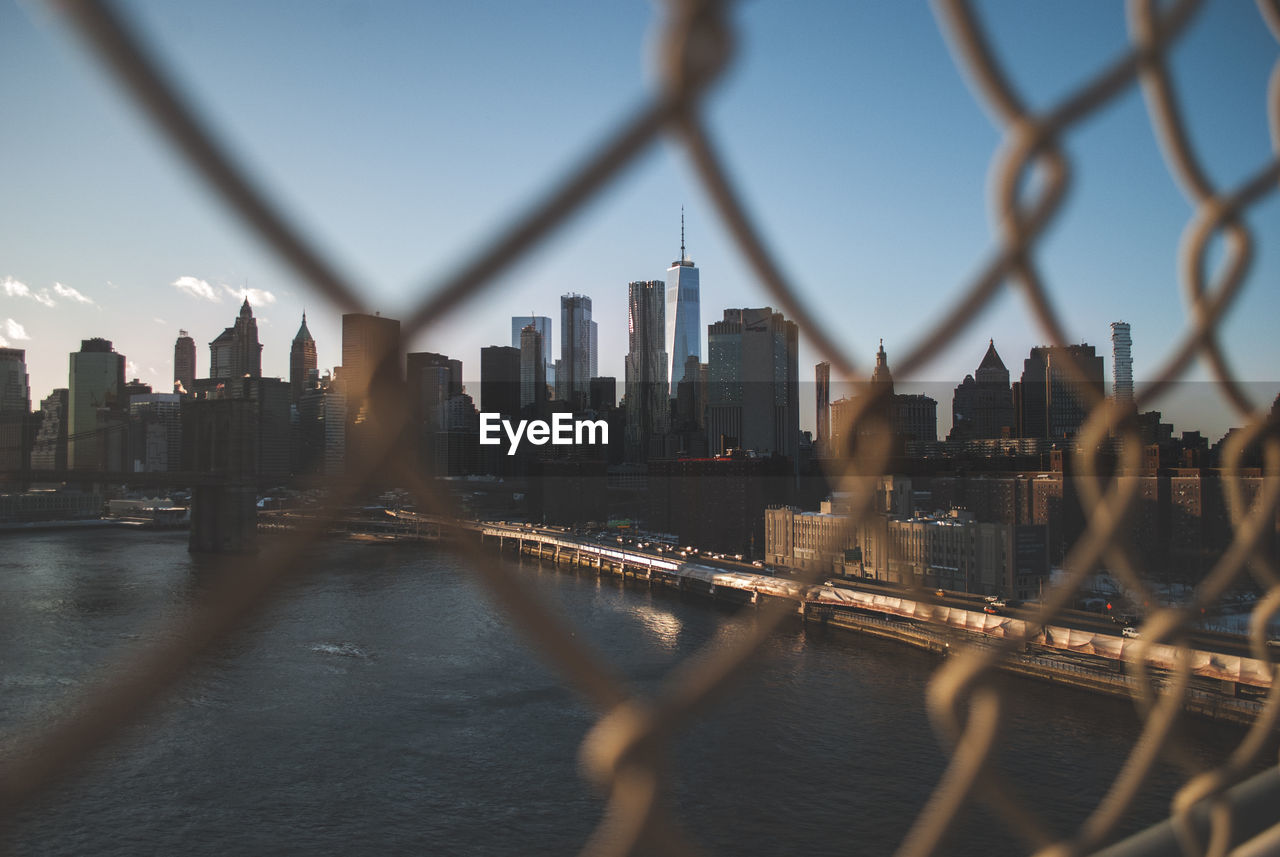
(578, 341)
(646, 367)
(500, 380)
(15, 410)
(753, 383)
(1059, 387)
(533, 368)
(1121, 361)
(303, 366)
(95, 406)
(982, 406)
(236, 353)
(184, 363)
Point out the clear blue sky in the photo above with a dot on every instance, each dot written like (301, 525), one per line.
(402, 134)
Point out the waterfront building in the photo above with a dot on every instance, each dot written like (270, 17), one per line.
(950, 550)
(718, 503)
(1121, 361)
(184, 363)
(236, 352)
(683, 315)
(578, 339)
(646, 368)
(982, 406)
(500, 380)
(1059, 387)
(15, 410)
(96, 384)
(303, 366)
(753, 383)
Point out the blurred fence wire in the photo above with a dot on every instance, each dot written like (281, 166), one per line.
(624, 753)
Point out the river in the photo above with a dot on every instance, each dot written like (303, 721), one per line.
(385, 706)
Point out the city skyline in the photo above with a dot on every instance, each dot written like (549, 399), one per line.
(868, 209)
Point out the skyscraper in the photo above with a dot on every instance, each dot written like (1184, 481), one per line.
(1052, 400)
(684, 319)
(500, 380)
(645, 367)
(184, 362)
(533, 368)
(575, 349)
(1121, 362)
(49, 451)
(753, 380)
(822, 378)
(236, 353)
(96, 384)
(372, 385)
(303, 371)
(15, 409)
(370, 351)
(543, 325)
(982, 406)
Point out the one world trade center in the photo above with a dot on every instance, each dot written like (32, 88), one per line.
(684, 334)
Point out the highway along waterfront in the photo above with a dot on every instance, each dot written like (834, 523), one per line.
(384, 705)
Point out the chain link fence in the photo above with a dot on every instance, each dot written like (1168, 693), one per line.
(623, 753)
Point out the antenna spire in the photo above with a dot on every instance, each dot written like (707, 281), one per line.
(682, 253)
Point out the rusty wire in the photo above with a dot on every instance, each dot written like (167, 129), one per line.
(624, 754)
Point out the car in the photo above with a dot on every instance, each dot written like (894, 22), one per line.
(991, 599)
(1130, 632)
(940, 592)
(992, 609)
(999, 602)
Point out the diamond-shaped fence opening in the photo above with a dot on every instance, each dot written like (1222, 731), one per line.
(1213, 810)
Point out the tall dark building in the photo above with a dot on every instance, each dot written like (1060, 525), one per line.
(96, 417)
(646, 366)
(50, 449)
(822, 379)
(500, 380)
(1052, 400)
(982, 406)
(184, 363)
(370, 353)
(533, 368)
(578, 341)
(753, 380)
(604, 394)
(15, 409)
(236, 353)
(372, 384)
(303, 371)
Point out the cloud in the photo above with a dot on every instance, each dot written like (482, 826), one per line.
(197, 288)
(131, 368)
(159, 320)
(15, 330)
(18, 289)
(4, 343)
(257, 297)
(73, 294)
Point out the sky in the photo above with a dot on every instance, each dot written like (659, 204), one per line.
(401, 136)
